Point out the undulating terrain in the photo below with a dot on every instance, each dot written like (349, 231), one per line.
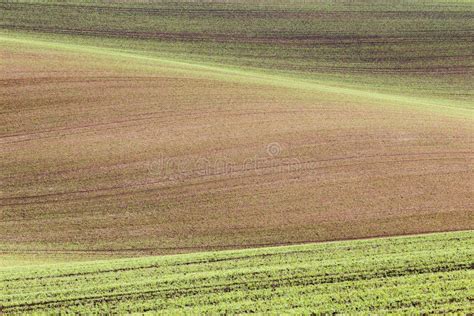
(132, 129)
(409, 275)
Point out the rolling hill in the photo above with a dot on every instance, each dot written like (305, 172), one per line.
(132, 129)
(120, 150)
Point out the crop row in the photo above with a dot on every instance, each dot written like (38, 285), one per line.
(406, 42)
(428, 273)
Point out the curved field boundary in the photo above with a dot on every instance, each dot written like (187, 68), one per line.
(250, 76)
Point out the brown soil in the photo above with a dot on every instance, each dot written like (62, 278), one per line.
(99, 158)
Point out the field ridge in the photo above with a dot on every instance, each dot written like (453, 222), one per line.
(259, 76)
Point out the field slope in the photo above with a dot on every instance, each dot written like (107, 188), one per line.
(132, 129)
(420, 274)
(125, 130)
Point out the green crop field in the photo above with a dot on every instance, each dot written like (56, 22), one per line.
(409, 47)
(419, 274)
(202, 131)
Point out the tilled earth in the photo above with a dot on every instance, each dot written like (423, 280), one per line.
(102, 155)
